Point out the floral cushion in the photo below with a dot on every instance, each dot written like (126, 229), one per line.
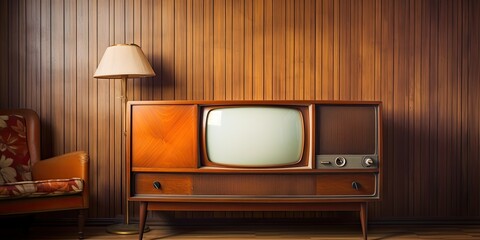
(42, 188)
(14, 156)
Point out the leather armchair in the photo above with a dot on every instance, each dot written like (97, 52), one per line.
(67, 166)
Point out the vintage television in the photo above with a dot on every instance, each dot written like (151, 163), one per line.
(255, 136)
(254, 155)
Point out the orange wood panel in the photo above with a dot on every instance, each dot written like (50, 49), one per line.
(171, 131)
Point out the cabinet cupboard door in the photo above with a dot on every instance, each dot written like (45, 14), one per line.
(164, 136)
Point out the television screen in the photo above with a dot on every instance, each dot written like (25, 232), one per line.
(254, 136)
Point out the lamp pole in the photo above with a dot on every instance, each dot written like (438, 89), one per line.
(124, 61)
(125, 228)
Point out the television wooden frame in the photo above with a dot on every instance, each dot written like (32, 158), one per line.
(184, 184)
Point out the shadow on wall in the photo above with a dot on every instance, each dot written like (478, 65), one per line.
(160, 87)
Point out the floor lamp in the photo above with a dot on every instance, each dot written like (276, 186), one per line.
(124, 61)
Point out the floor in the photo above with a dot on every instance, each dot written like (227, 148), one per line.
(381, 232)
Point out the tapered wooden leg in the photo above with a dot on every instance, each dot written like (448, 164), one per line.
(143, 219)
(81, 223)
(363, 219)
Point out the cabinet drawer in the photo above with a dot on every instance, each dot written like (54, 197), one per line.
(347, 184)
(146, 183)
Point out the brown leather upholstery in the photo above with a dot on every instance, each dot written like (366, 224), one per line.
(69, 165)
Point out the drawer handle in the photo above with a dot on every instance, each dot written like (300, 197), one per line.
(157, 185)
(355, 185)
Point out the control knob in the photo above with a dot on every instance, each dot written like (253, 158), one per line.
(340, 161)
(157, 185)
(355, 185)
(368, 162)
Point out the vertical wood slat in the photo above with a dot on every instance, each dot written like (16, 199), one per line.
(268, 50)
(45, 75)
(400, 160)
(93, 107)
(386, 68)
(279, 50)
(58, 73)
(258, 49)
(237, 24)
(444, 107)
(198, 49)
(325, 50)
(13, 54)
(4, 57)
(219, 38)
(290, 46)
(418, 57)
(309, 50)
(228, 51)
(136, 37)
(70, 74)
(180, 53)
(474, 125)
(22, 52)
(189, 49)
(414, 105)
(208, 50)
(248, 59)
(168, 39)
(32, 47)
(104, 100)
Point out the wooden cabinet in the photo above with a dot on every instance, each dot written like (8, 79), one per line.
(170, 164)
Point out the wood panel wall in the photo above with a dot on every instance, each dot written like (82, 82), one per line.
(420, 57)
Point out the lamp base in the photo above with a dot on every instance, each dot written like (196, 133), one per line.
(125, 229)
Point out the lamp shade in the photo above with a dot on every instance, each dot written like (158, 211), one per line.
(124, 60)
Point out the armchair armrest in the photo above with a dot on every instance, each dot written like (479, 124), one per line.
(74, 164)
